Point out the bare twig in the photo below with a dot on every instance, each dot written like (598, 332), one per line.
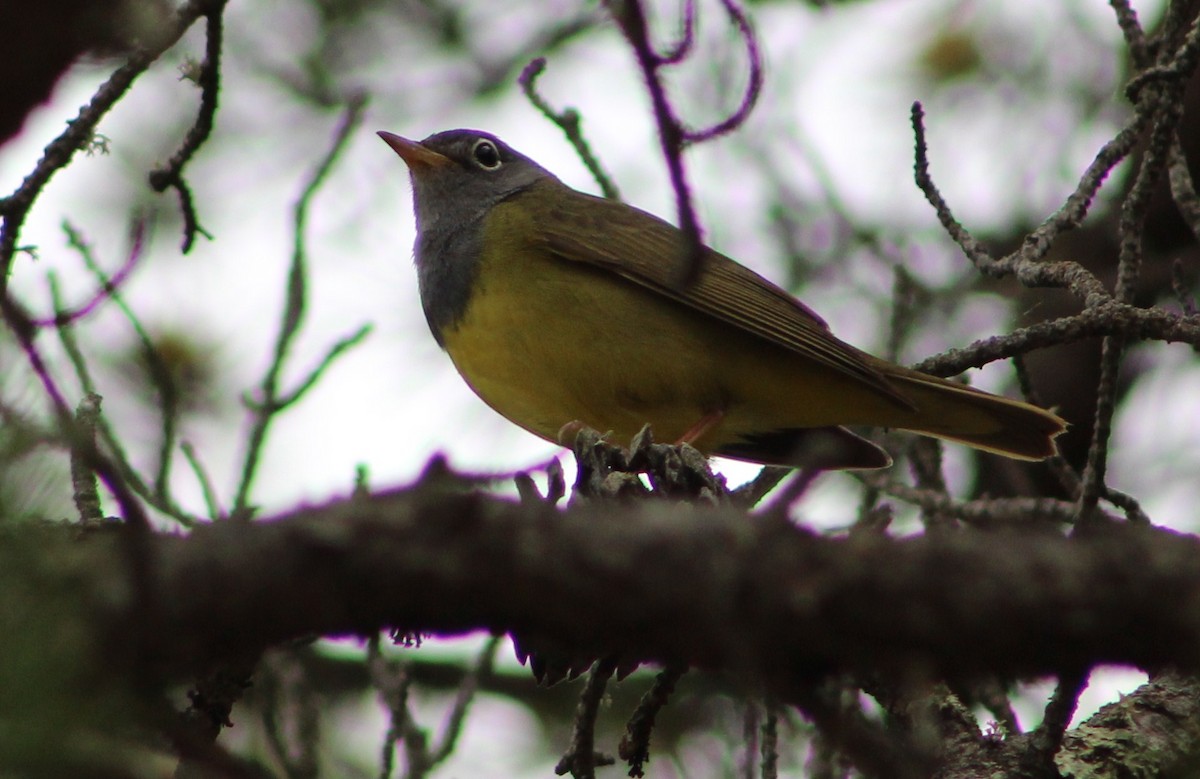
(581, 758)
(568, 120)
(635, 744)
(985, 512)
(770, 741)
(120, 460)
(208, 77)
(80, 130)
(270, 399)
(1109, 319)
(673, 135)
(211, 502)
(478, 675)
(1135, 37)
(750, 493)
(753, 86)
(160, 375)
(1159, 99)
(83, 479)
(1047, 739)
(108, 284)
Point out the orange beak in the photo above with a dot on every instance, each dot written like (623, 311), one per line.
(416, 156)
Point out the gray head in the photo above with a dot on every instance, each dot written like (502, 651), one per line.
(457, 176)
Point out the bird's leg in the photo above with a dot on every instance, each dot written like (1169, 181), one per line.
(568, 432)
(705, 425)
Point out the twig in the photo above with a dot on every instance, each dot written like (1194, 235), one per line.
(581, 758)
(1026, 263)
(340, 347)
(1109, 319)
(983, 512)
(568, 120)
(1135, 37)
(750, 493)
(291, 715)
(753, 85)
(83, 479)
(20, 323)
(392, 682)
(160, 375)
(770, 741)
(873, 750)
(269, 399)
(211, 503)
(673, 135)
(1160, 99)
(478, 675)
(634, 748)
(208, 77)
(1047, 739)
(108, 284)
(112, 443)
(80, 130)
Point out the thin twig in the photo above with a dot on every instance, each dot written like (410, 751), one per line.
(634, 748)
(581, 758)
(478, 675)
(1110, 319)
(160, 374)
(1046, 740)
(673, 135)
(984, 512)
(108, 284)
(208, 78)
(83, 479)
(112, 443)
(568, 120)
(770, 741)
(211, 503)
(267, 403)
(1135, 37)
(753, 86)
(82, 128)
(631, 18)
(1161, 100)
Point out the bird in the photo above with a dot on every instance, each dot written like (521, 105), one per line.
(562, 309)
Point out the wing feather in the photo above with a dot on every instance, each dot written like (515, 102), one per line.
(646, 250)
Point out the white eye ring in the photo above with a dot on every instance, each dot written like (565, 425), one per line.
(485, 154)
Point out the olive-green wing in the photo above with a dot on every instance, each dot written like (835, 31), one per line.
(649, 251)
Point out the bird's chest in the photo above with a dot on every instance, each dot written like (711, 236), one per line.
(522, 341)
(545, 341)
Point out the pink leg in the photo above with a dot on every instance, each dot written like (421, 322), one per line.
(703, 426)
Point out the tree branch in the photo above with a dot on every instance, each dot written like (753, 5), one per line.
(725, 590)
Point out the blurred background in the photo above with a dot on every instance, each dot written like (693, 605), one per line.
(815, 192)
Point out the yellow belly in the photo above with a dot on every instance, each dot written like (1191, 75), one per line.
(546, 342)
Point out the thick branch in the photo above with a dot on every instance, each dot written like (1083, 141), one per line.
(712, 588)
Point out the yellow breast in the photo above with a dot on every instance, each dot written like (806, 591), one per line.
(546, 341)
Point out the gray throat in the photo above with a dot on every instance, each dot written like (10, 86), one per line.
(447, 257)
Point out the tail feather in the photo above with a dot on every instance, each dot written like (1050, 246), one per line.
(826, 448)
(968, 416)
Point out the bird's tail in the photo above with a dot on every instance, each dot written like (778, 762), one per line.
(955, 412)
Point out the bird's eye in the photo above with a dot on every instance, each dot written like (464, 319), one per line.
(486, 154)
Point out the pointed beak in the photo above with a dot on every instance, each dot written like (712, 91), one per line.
(416, 156)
